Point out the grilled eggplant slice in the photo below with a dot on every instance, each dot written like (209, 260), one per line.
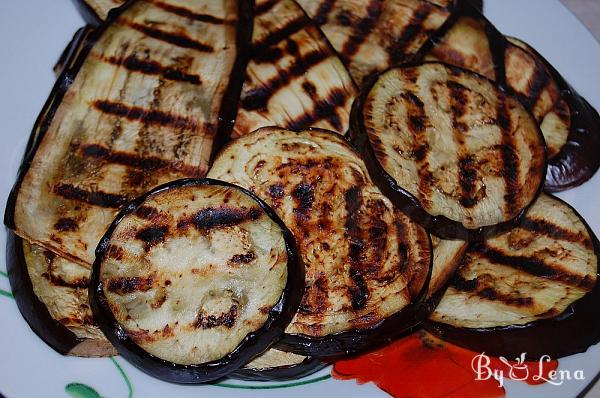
(96, 11)
(451, 149)
(295, 79)
(194, 279)
(51, 293)
(533, 289)
(371, 36)
(276, 365)
(568, 122)
(367, 264)
(141, 106)
(71, 52)
(570, 126)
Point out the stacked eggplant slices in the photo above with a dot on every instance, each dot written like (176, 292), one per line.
(225, 189)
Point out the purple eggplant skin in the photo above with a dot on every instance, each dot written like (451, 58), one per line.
(280, 373)
(572, 332)
(578, 159)
(356, 341)
(36, 314)
(438, 225)
(253, 344)
(69, 53)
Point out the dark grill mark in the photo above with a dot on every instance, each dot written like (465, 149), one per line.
(323, 11)
(152, 236)
(210, 321)
(66, 225)
(510, 162)
(536, 84)
(146, 212)
(269, 56)
(488, 293)
(359, 292)
(184, 12)
(467, 167)
(398, 49)
(243, 258)
(177, 39)
(555, 232)
(150, 67)
(220, 217)
(533, 266)
(304, 195)
(96, 198)
(129, 285)
(362, 30)
(277, 36)
(57, 280)
(276, 191)
(258, 98)
(324, 109)
(417, 124)
(115, 252)
(315, 298)
(144, 115)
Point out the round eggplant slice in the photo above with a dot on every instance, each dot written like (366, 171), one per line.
(194, 279)
(533, 289)
(367, 264)
(451, 149)
(573, 124)
(52, 295)
(275, 365)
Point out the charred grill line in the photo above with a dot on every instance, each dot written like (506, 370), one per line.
(555, 232)
(417, 124)
(537, 83)
(487, 292)
(177, 39)
(323, 11)
(129, 285)
(221, 217)
(210, 321)
(66, 225)
(96, 198)
(304, 194)
(246, 258)
(324, 108)
(275, 37)
(152, 236)
(258, 98)
(359, 293)
(149, 67)
(397, 50)
(467, 170)
(510, 161)
(186, 13)
(147, 116)
(362, 29)
(532, 265)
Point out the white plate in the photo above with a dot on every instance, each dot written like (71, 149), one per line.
(32, 35)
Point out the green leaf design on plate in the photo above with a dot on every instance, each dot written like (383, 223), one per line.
(5, 293)
(78, 390)
(4, 274)
(273, 386)
(124, 375)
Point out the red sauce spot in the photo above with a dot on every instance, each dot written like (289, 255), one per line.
(422, 366)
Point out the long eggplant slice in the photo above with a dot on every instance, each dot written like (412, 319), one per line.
(71, 52)
(294, 79)
(276, 365)
(533, 289)
(141, 106)
(95, 12)
(451, 149)
(371, 36)
(367, 264)
(51, 293)
(194, 279)
(569, 124)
